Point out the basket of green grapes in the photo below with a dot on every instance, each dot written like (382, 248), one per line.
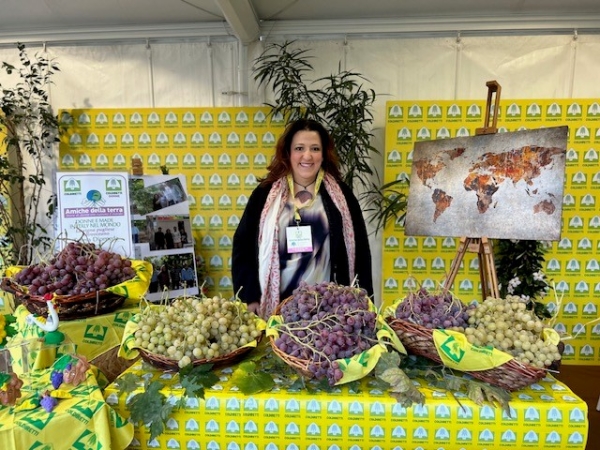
(82, 280)
(508, 345)
(193, 330)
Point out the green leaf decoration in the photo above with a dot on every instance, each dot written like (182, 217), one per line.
(194, 379)
(249, 380)
(150, 408)
(128, 383)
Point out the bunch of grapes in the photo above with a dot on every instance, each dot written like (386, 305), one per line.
(326, 322)
(196, 328)
(507, 324)
(77, 269)
(433, 310)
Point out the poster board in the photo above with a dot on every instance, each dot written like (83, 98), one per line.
(94, 207)
(160, 218)
(502, 186)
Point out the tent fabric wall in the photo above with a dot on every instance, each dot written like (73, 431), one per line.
(420, 67)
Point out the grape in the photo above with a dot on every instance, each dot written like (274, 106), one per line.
(433, 310)
(48, 403)
(522, 336)
(56, 378)
(196, 328)
(326, 322)
(78, 268)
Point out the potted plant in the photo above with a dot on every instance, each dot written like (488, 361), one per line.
(29, 131)
(342, 103)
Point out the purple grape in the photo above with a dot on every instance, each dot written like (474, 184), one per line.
(56, 378)
(48, 403)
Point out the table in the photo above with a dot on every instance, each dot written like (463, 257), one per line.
(92, 336)
(545, 415)
(84, 421)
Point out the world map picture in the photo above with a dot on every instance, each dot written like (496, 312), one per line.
(501, 186)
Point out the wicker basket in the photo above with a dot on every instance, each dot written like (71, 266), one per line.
(68, 307)
(512, 375)
(165, 363)
(298, 364)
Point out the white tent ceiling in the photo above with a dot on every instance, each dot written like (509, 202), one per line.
(249, 20)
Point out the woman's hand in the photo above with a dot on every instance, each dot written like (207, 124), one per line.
(253, 307)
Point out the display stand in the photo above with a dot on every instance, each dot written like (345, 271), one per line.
(482, 246)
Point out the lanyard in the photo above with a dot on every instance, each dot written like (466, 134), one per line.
(290, 180)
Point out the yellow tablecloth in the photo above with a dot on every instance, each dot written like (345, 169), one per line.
(84, 421)
(93, 335)
(546, 415)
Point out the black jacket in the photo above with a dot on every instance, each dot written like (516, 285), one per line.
(244, 269)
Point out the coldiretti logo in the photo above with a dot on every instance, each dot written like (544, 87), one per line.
(113, 186)
(87, 441)
(533, 110)
(84, 410)
(72, 185)
(122, 317)
(415, 112)
(434, 112)
(454, 111)
(452, 349)
(395, 112)
(95, 333)
(35, 421)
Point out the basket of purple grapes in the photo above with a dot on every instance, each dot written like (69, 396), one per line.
(322, 329)
(420, 312)
(82, 280)
(415, 318)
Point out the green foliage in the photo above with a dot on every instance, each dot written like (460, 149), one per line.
(251, 381)
(128, 383)
(194, 379)
(519, 267)
(30, 131)
(340, 102)
(150, 408)
(386, 203)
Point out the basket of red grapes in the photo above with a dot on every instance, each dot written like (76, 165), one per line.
(420, 312)
(322, 324)
(504, 324)
(76, 279)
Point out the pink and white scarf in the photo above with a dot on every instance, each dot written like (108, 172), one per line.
(268, 239)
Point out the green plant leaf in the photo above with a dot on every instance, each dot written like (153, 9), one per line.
(194, 379)
(128, 383)
(249, 380)
(150, 408)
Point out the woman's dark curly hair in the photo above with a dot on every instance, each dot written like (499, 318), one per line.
(280, 165)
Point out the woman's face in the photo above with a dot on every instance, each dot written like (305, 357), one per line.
(306, 156)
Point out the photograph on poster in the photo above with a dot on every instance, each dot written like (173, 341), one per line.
(173, 275)
(161, 233)
(157, 194)
(165, 232)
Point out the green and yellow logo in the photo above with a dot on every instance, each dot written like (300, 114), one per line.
(35, 421)
(72, 186)
(84, 410)
(95, 333)
(87, 441)
(452, 349)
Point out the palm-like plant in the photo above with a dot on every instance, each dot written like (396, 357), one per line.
(340, 102)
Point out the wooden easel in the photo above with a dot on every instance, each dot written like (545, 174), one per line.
(481, 246)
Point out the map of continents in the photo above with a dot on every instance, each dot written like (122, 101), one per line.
(489, 185)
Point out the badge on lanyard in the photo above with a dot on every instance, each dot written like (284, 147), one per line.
(299, 239)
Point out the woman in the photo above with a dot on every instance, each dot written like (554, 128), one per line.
(301, 223)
